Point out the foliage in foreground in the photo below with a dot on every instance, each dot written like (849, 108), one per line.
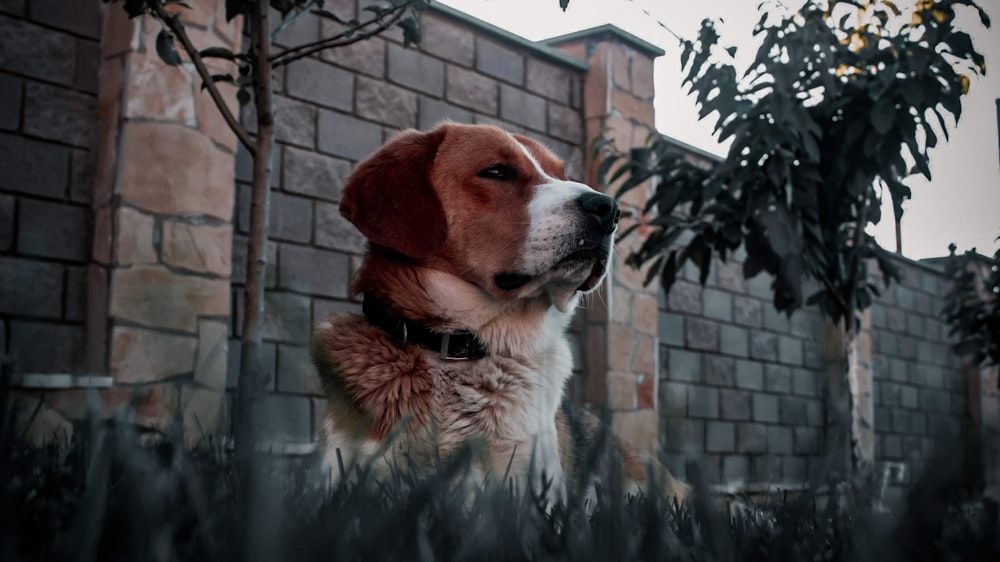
(108, 498)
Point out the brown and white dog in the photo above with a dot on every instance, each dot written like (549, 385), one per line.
(479, 250)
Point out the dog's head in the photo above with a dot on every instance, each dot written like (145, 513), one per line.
(492, 208)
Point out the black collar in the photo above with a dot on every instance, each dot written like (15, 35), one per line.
(453, 346)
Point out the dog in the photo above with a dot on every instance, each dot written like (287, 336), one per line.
(479, 250)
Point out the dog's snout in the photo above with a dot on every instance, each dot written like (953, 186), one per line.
(603, 208)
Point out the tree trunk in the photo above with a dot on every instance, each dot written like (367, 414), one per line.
(250, 381)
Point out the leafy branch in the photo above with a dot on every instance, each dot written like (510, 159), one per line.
(972, 305)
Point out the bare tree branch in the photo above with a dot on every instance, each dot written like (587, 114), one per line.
(172, 21)
(347, 37)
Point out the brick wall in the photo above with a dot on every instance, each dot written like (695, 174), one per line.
(332, 111)
(922, 390)
(741, 386)
(48, 121)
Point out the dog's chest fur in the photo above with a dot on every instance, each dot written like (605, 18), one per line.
(507, 402)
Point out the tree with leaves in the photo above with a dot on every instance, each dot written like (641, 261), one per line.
(841, 103)
(972, 305)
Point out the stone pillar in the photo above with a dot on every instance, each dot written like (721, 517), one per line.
(984, 400)
(622, 322)
(158, 284)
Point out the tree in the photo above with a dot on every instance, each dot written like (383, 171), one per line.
(972, 305)
(841, 103)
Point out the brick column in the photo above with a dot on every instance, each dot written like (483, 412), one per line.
(850, 398)
(158, 285)
(622, 322)
(984, 391)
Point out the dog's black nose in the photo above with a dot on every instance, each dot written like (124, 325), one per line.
(601, 207)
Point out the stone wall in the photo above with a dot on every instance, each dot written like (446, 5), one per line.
(48, 125)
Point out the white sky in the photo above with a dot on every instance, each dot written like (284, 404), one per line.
(961, 204)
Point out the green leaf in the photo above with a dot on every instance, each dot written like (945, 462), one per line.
(411, 31)
(135, 8)
(563, 4)
(218, 53)
(165, 48)
(883, 115)
(235, 8)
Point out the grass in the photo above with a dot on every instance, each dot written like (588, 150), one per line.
(110, 497)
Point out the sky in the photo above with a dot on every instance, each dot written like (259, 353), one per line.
(960, 205)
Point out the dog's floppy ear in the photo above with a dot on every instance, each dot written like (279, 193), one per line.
(390, 199)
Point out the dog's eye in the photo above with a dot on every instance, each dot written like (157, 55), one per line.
(500, 172)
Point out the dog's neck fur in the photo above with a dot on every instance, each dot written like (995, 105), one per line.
(444, 302)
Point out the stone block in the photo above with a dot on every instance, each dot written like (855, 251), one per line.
(673, 399)
(296, 372)
(285, 418)
(760, 287)
(720, 437)
(719, 371)
(684, 297)
(139, 355)
(621, 390)
(34, 51)
(565, 123)
(313, 271)
(735, 469)
(765, 408)
(30, 288)
(43, 168)
(316, 175)
(749, 375)
(294, 122)
(645, 391)
(671, 329)
(518, 106)
(734, 340)
(780, 440)
(908, 397)
(644, 314)
(334, 231)
(150, 295)
(442, 37)
(198, 247)
(386, 104)
(778, 378)
(776, 321)
(717, 304)
(748, 311)
(472, 90)
(210, 363)
(320, 83)
(734, 404)
(346, 136)
(763, 346)
(765, 468)
(155, 90)
(794, 470)
(806, 383)
(794, 411)
(76, 294)
(703, 402)
(499, 62)
(790, 350)
(286, 318)
(291, 218)
(6, 222)
(59, 114)
(682, 366)
(751, 438)
(53, 230)
(701, 334)
(11, 89)
(365, 57)
(415, 70)
(165, 168)
(41, 348)
(433, 112)
(621, 345)
(324, 308)
(814, 412)
(682, 434)
(807, 441)
(548, 80)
